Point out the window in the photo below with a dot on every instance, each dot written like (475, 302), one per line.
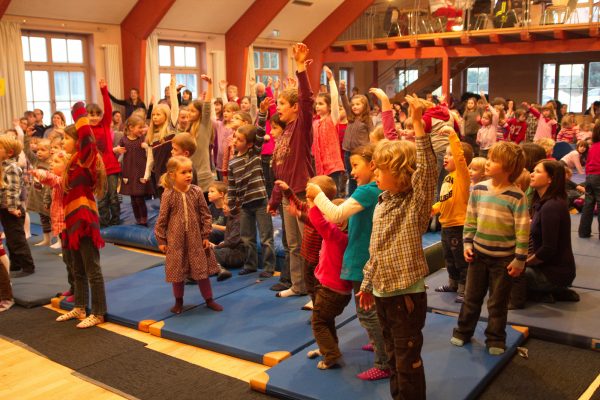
(576, 85)
(406, 77)
(183, 60)
(478, 79)
(267, 63)
(344, 75)
(56, 71)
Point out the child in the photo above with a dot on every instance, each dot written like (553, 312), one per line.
(183, 144)
(38, 196)
(452, 208)
(577, 158)
(569, 129)
(223, 131)
(585, 131)
(247, 195)
(358, 210)
(325, 146)
(311, 239)
(471, 118)
(486, 136)
(216, 196)
(477, 170)
(231, 252)
(135, 180)
(83, 178)
(546, 123)
(292, 161)
(108, 206)
(548, 145)
(394, 275)
(53, 179)
(12, 213)
(575, 192)
(332, 293)
(182, 230)
(592, 186)
(357, 131)
(239, 119)
(495, 245)
(517, 126)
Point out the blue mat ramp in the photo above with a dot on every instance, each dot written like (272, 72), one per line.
(141, 299)
(451, 372)
(587, 272)
(254, 325)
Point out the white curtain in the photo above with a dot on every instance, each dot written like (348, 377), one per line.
(249, 69)
(12, 71)
(113, 66)
(151, 82)
(218, 70)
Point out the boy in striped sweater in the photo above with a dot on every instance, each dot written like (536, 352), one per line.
(496, 237)
(247, 194)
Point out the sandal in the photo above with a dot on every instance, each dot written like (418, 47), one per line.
(314, 354)
(446, 288)
(74, 313)
(91, 320)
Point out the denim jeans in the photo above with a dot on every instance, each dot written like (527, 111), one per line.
(253, 214)
(327, 305)
(371, 323)
(402, 319)
(452, 246)
(351, 181)
(293, 233)
(483, 273)
(109, 208)
(230, 258)
(19, 252)
(538, 282)
(88, 275)
(285, 268)
(592, 199)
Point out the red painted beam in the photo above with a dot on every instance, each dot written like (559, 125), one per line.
(319, 40)
(135, 29)
(446, 77)
(475, 50)
(3, 6)
(243, 33)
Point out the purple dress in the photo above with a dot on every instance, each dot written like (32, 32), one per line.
(133, 168)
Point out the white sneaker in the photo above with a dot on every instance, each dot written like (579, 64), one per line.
(6, 304)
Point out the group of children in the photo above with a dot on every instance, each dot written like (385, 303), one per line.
(369, 243)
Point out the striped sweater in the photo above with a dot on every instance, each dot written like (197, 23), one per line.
(246, 183)
(81, 212)
(497, 222)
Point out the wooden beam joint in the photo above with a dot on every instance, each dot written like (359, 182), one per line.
(526, 36)
(441, 42)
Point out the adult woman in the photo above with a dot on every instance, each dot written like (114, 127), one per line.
(131, 104)
(551, 266)
(58, 122)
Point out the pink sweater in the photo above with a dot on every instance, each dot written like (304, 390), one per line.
(326, 147)
(573, 160)
(546, 127)
(332, 253)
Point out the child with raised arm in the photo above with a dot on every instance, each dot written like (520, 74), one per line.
(247, 195)
(325, 146)
(546, 122)
(84, 178)
(394, 276)
(486, 136)
(292, 161)
(182, 230)
(100, 121)
(358, 211)
(452, 207)
(496, 238)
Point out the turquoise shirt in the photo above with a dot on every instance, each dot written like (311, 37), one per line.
(359, 232)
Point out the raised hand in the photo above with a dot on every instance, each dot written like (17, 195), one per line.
(208, 79)
(328, 72)
(269, 81)
(379, 93)
(342, 86)
(102, 83)
(276, 85)
(300, 52)
(266, 103)
(223, 84)
(292, 82)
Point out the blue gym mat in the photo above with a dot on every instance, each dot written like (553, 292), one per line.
(141, 299)
(50, 275)
(254, 325)
(575, 324)
(588, 272)
(451, 372)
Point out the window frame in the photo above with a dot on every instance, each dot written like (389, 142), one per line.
(183, 70)
(51, 67)
(399, 88)
(260, 72)
(466, 81)
(585, 89)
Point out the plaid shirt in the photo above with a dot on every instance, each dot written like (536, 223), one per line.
(13, 182)
(397, 259)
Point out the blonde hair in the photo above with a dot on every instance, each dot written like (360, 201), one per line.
(523, 180)
(547, 144)
(219, 186)
(9, 144)
(376, 134)
(511, 156)
(399, 157)
(290, 95)
(478, 163)
(568, 121)
(174, 163)
(163, 130)
(327, 185)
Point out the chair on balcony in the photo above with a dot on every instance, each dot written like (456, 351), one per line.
(595, 12)
(560, 12)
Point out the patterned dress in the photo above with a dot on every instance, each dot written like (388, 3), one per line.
(133, 168)
(183, 222)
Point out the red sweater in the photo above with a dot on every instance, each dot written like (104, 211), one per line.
(592, 165)
(81, 212)
(292, 160)
(311, 239)
(516, 130)
(104, 137)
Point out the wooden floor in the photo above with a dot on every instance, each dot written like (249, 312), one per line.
(26, 375)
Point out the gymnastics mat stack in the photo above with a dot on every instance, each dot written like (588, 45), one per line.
(451, 372)
(254, 325)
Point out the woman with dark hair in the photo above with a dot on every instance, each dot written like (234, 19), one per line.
(550, 265)
(131, 104)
